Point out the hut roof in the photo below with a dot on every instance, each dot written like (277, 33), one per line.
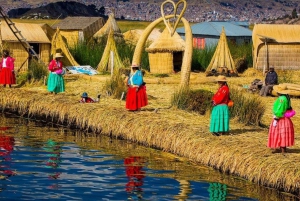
(76, 23)
(110, 24)
(215, 29)
(167, 43)
(222, 56)
(33, 33)
(132, 36)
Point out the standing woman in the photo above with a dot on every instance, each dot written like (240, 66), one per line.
(7, 75)
(219, 121)
(56, 83)
(281, 131)
(136, 94)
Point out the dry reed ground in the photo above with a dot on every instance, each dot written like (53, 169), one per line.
(243, 153)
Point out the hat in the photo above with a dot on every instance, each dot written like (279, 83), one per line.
(221, 78)
(84, 95)
(57, 55)
(135, 66)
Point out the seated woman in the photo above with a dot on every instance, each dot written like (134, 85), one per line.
(136, 93)
(86, 99)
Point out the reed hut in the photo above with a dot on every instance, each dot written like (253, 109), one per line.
(221, 62)
(276, 45)
(34, 35)
(111, 24)
(110, 55)
(132, 36)
(59, 44)
(166, 53)
(76, 29)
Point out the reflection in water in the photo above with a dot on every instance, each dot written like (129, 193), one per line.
(185, 190)
(135, 175)
(217, 191)
(6, 147)
(54, 150)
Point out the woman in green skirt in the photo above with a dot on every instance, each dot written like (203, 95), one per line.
(219, 121)
(56, 83)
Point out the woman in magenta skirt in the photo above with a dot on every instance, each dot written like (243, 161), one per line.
(136, 97)
(7, 75)
(281, 132)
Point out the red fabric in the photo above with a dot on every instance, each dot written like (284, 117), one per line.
(281, 135)
(222, 95)
(135, 99)
(54, 67)
(9, 63)
(87, 100)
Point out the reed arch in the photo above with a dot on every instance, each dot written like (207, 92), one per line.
(187, 57)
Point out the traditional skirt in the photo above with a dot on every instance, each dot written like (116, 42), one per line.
(7, 76)
(135, 99)
(281, 135)
(55, 83)
(219, 120)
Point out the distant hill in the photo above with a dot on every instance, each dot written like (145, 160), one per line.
(56, 10)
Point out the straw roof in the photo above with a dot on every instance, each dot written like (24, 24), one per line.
(167, 43)
(76, 23)
(132, 36)
(111, 23)
(59, 45)
(105, 62)
(222, 56)
(33, 33)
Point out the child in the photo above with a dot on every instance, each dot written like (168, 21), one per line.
(86, 99)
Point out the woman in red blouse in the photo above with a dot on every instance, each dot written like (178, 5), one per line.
(219, 122)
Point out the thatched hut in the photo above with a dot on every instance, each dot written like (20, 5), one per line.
(166, 53)
(111, 24)
(221, 62)
(76, 29)
(132, 36)
(34, 35)
(276, 45)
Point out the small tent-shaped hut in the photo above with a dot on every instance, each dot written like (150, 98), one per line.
(276, 45)
(221, 62)
(166, 53)
(34, 35)
(76, 29)
(105, 63)
(110, 24)
(59, 45)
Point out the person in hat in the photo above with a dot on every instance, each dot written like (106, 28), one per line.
(86, 99)
(281, 130)
(136, 97)
(7, 75)
(56, 83)
(219, 122)
(270, 80)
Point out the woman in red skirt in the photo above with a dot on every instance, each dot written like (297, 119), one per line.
(281, 132)
(7, 75)
(136, 94)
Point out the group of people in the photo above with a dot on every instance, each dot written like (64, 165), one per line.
(281, 130)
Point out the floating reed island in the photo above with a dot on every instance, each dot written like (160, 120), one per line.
(243, 153)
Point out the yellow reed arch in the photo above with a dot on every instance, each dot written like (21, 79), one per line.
(187, 57)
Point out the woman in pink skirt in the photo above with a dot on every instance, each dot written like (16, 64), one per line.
(281, 132)
(136, 94)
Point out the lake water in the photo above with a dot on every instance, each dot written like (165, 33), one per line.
(42, 161)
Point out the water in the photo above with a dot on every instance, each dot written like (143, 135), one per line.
(46, 162)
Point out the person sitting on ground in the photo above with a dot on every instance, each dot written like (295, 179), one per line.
(270, 80)
(86, 99)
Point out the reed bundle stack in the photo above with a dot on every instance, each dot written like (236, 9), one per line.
(289, 88)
